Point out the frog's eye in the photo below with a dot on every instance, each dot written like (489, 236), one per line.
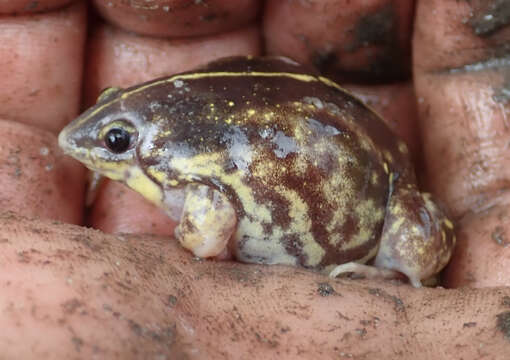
(118, 136)
(117, 140)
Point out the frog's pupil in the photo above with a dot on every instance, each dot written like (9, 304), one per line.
(117, 140)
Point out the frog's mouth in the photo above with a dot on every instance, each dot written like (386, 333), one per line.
(111, 169)
(70, 148)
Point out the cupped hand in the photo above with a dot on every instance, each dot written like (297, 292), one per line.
(69, 291)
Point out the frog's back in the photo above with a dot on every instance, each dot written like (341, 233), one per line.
(306, 165)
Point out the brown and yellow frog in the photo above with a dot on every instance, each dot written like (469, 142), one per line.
(261, 159)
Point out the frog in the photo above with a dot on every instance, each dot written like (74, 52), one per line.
(264, 160)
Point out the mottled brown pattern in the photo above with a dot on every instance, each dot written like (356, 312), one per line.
(305, 164)
(195, 112)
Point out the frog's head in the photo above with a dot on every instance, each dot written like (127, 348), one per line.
(106, 139)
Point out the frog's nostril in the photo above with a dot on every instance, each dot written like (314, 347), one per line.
(67, 142)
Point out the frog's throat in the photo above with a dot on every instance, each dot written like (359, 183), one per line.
(133, 177)
(137, 180)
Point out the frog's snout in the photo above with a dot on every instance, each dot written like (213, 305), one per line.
(63, 141)
(67, 141)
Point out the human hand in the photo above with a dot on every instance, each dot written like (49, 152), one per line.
(94, 285)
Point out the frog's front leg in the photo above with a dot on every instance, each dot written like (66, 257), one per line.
(417, 239)
(207, 222)
(94, 182)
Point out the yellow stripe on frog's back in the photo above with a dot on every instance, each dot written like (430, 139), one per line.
(204, 75)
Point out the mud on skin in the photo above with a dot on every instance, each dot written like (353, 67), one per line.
(377, 29)
(87, 255)
(489, 16)
(503, 324)
(139, 289)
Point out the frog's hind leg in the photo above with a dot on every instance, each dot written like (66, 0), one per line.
(417, 238)
(207, 222)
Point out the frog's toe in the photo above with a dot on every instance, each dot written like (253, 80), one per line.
(417, 238)
(95, 180)
(366, 271)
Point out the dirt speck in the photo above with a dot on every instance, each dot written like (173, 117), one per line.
(324, 60)
(13, 162)
(164, 335)
(342, 316)
(264, 340)
(70, 306)
(285, 329)
(499, 236)
(490, 16)
(469, 324)
(397, 302)
(9, 216)
(32, 6)
(24, 257)
(325, 289)
(77, 342)
(171, 301)
(377, 28)
(245, 275)
(362, 332)
(87, 241)
(502, 94)
(503, 324)
(374, 322)
(135, 327)
(210, 17)
(375, 37)
(505, 301)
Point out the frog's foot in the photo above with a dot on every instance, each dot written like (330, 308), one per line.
(417, 238)
(367, 271)
(207, 222)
